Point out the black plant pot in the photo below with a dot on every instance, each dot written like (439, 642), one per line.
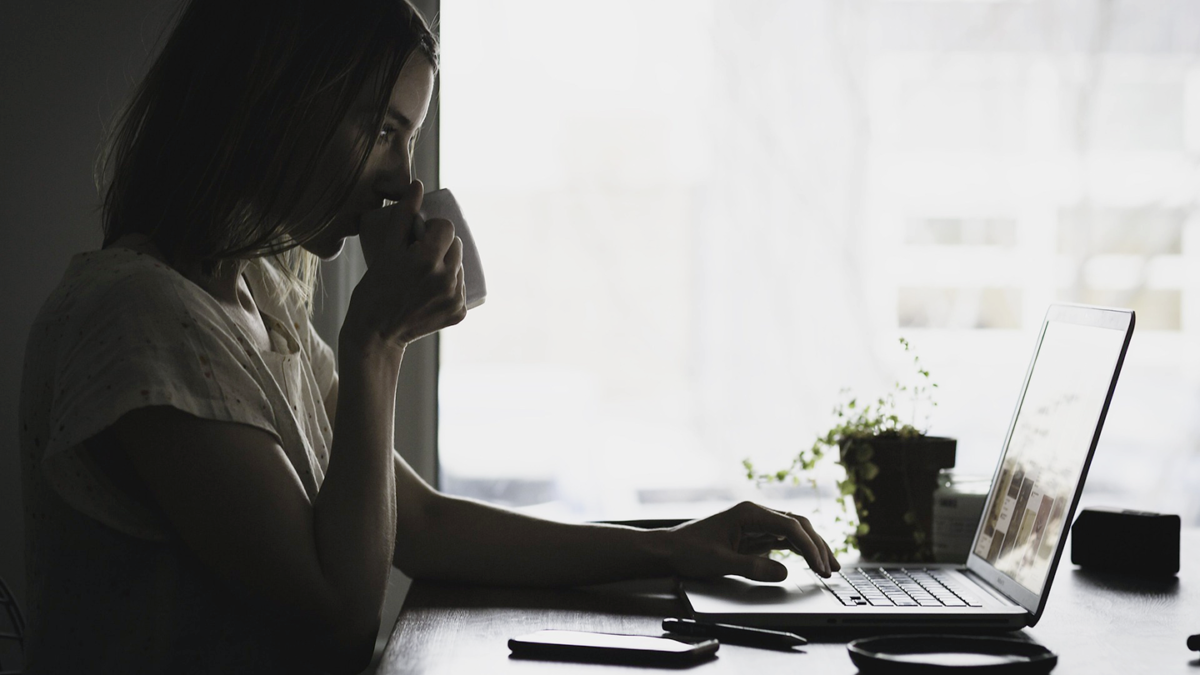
(900, 517)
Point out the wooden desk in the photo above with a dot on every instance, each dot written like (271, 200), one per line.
(1096, 623)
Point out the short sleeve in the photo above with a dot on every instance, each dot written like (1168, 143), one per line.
(145, 341)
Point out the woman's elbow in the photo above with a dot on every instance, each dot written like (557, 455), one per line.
(335, 633)
(348, 648)
(411, 562)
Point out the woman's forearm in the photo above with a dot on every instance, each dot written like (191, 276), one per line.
(452, 539)
(466, 540)
(354, 517)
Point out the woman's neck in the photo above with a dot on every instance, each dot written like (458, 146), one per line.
(225, 284)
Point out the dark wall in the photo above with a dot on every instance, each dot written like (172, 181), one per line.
(65, 67)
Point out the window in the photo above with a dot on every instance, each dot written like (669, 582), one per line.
(702, 219)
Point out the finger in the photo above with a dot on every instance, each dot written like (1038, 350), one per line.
(831, 563)
(830, 560)
(804, 542)
(454, 255)
(439, 237)
(460, 300)
(389, 228)
(812, 534)
(412, 196)
(454, 296)
(405, 222)
(408, 202)
(416, 195)
(834, 565)
(773, 522)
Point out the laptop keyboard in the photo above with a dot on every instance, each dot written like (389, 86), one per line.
(898, 587)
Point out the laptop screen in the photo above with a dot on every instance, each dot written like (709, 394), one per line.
(1048, 445)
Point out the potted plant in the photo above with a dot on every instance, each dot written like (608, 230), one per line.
(891, 470)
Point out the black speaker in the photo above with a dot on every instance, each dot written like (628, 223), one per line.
(1129, 542)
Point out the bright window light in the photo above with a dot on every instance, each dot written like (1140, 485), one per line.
(701, 219)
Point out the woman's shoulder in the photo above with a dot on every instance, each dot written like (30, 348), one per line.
(116, 282)
(118, 301)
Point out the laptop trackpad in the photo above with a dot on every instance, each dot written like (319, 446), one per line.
(800, 592)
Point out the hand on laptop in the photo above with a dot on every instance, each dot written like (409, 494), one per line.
(736, 541)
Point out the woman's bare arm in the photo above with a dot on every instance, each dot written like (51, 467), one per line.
(233, 497)
(448, 538)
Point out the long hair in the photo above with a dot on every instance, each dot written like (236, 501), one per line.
(222, 153)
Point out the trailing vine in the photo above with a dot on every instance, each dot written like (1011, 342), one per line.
(856, 424)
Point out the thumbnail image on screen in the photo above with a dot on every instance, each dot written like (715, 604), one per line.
(1046, 450)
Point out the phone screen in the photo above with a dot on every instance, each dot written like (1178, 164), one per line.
(584, 646)
(606, 641)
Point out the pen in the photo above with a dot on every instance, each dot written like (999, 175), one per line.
(754, 637)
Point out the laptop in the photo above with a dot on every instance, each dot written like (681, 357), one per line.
(1022, 530)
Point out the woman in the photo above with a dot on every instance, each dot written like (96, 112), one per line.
(205, 491)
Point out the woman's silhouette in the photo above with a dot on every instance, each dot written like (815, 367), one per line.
(205, 491)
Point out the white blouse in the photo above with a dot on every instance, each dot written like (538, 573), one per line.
(111, 587)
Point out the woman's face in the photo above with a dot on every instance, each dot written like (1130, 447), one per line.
(388, 170)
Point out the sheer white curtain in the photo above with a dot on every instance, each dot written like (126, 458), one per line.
(701, 219)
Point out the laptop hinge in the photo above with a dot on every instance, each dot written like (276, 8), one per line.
(984, 585)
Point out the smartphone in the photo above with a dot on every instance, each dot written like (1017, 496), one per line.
(570, 645)
(441, 204)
